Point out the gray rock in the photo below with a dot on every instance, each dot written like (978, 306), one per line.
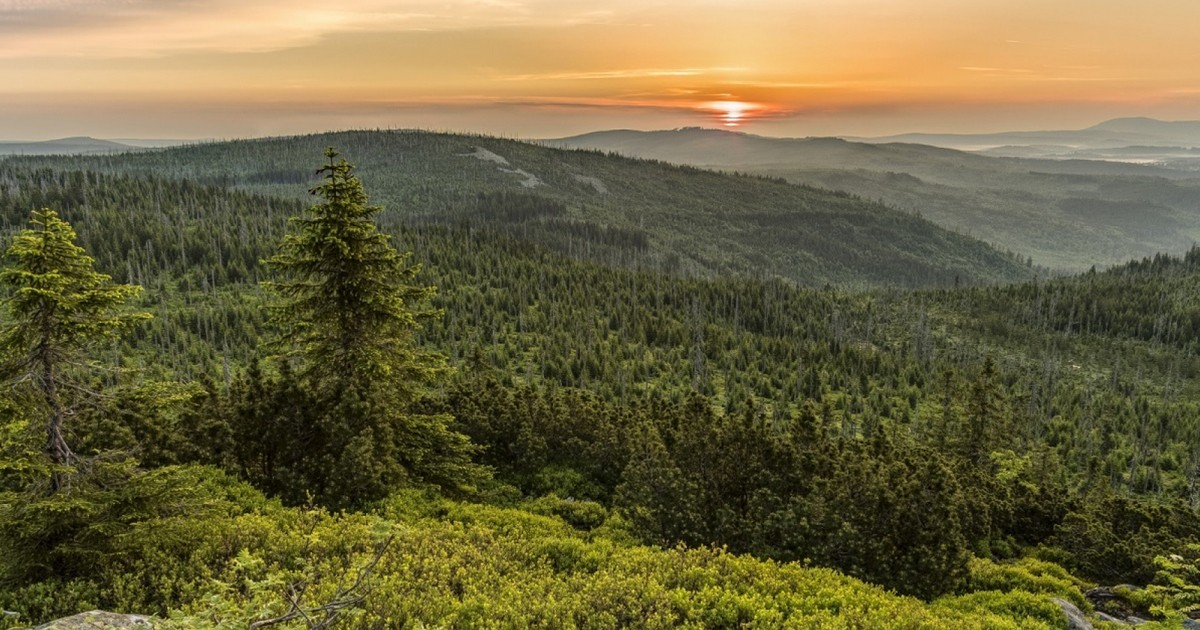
(1075, 618)
(1100, 593)
(98, 620)
(1191, 624)
(1135, 621)
(1103, 616)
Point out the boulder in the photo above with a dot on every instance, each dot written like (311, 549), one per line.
(1191, 624)
(1114, 602)
(1075, 618)
(98, 620)
(1099, 593)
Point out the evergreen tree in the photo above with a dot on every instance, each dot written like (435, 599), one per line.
(59, 308)
(350, 305)
(984, 424)
(348, 312)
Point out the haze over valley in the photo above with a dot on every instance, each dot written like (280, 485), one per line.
(1063, 210)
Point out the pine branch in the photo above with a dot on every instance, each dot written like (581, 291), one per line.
(346, 598)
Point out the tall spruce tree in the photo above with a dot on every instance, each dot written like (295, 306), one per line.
(347, 315)
(59, 307)
(350, 305)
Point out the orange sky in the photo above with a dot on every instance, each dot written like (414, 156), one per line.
(538, 68)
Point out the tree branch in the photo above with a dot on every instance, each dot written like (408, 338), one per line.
(345, 598)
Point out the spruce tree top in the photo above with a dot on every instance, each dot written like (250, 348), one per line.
(348, 305)
(58, 303)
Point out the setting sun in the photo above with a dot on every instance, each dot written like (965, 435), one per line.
(542, 68)
(731, 113)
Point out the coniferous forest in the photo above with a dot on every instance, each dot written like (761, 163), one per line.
(245, 388)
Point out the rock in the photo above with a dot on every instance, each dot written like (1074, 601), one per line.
(1113, 601)
(1075, 618)
(1191, 624)
(1100, 593)
(1135, 621)
(1103, 616)
(97, 620)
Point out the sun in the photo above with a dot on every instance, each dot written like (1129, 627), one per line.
(731, 113)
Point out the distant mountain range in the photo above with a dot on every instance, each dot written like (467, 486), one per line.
(598, 207)
(1123, 189)
(716, 147)
(1065, 213)
(1175, 144)
(83, 145)
(1098, 141)
(65, 146)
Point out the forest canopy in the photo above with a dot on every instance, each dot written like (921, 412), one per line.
(553, 438)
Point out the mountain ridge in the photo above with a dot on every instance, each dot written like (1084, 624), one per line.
(1065, 213)
(73, 145)
(1112, 133)
(622, 210)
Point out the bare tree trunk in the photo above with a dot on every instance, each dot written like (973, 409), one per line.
(56, 445)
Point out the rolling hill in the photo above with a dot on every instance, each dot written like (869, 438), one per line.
(65, 146)
(828, 408)
(594, 206)
(1067, 214)
(1118, 132)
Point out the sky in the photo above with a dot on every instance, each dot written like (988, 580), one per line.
(191, 69)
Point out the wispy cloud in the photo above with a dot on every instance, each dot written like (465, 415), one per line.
(1047, 74)
(604, 74)
(992, 70)
(138, 28)
(1068, 79)
(791, 85)
(631, 73)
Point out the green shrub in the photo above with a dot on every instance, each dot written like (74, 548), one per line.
(1176, 588)
(1115, 538)
(1027, 574)
(456, 565)
(582, 515)
(109, 510)
(1032, 612)
(566, 482)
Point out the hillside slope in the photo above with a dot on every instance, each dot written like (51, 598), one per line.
(563, 365)
(600, 207)
(716, 147)
(1068, 214)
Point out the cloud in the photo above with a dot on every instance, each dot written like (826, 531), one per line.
(140, 28)
(794, 85)
(995, 71)
(633, 73)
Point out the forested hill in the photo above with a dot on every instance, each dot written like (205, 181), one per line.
(1067, 214)
(776, 421)
(601, 207)
(1152, 300)
(65, 146)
